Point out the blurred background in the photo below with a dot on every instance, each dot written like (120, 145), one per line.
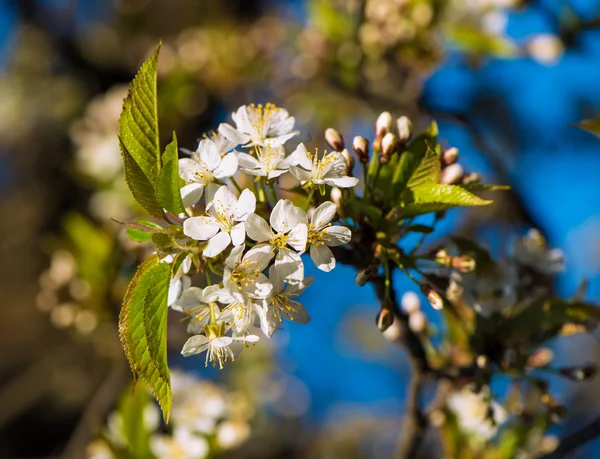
(507, 80)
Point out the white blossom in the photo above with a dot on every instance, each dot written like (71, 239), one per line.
(270, 161)
(205, 166)
(255, 124)
(321, 236)
(472, 411)
(224, 222)
(195, 303)
(331, 169)
(243, 273)
(241, 310)
(289, 228)
(183, 444)
(216, 345)
(532, 250)
(280, 305)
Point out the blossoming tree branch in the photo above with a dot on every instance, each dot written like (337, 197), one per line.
(236, 219)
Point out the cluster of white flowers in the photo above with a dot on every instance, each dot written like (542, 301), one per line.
(204, 418)
(258, 263)
(497, 287)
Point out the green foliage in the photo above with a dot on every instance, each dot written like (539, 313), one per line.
(143, 328)
(132, 406)
(411, 159)
(167, 189)
(138, 135)
(142, 230)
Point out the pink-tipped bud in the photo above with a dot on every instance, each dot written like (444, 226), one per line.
(334, 139)
(384, 319)
(404, 129)
(417, 322)
(464, 263)
(360, 145)
(540, 358)
(349, 160)
(410, 302)
(452, 174)
(383, 125)
(434, 298)
(450, 156)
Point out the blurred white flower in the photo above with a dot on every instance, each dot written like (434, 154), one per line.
(255, 124)
(179, 281)
(532, 250)
(476, 416)
(183, 444)
(546, 49)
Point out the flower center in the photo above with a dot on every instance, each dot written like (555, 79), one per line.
(260, 117)
(203, 176)
(245, 273)
(317, 237)
(279, 240)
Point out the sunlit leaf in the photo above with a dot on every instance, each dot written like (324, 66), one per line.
(436, 198)
(143, 328)
(167, 189)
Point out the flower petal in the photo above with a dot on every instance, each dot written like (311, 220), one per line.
(322, 257)
(238, 234)
(300, 174)
(195, 345)
(300, 155)
(337, 235)
(233, 134)
(250, 164)
(261, 254)
(323, 214)
(286, 216)
(209, 154)
(290, 266)
(298, 237)
(235, 256)
(191, 194)
(223, 203)
(190, 170)
(217, 244)
(200, 228)
(276, 279)
(227, 168)
(260, 288)
(258, 229)
(342, 182)
(296, 312)
(246, 205)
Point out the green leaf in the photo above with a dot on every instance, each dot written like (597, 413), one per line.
(167, 189)
(411, 159)
(478, 186)
(142, 230)
(592, 125)
(138, 124)
(428, 172)
(423, 229)
(435, 198)
(164, 243)
(143, 328)
(141, 188)
(132, 406)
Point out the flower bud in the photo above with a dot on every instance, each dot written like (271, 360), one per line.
(450, 156)
(451, 174)
(410, 302)
(365, 275)
(443, 257)
(417, 322)
(394, 332)
(388, 144)
(360, 145)
(384, 319)
(404, 129)
(464, 263)
(334, 139)
(473, 177)
(434, 298)
(349, 160)
(336, 196)
(383, 124)
(540, 358)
